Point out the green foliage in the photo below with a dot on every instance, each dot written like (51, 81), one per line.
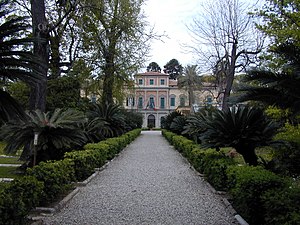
(133, 120)
(247, 186)
(105, 121)
(213, 164)
(46, 181)
(190, 81)
(63, 92)
(9, 172)
(18, 198)
(178, 124)
(278, 89)
(280, 24)
(20, 91)
(289, 133)
(283, 206)
(167, 121)
(86, 161)
(153, 67)
(56, 175)
(277, 114)
(243, 128)
(260, 196)
(173, 68)
(57, 131)
(286, 158)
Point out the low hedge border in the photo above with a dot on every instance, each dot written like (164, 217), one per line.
(260, 196)
(45, 182)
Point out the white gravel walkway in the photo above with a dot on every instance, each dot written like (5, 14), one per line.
(149, 183)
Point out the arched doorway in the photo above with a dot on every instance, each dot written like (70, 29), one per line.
(151, 121)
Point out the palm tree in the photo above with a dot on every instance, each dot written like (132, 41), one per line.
(167, 121)
(15, 63)
(279, 88)
(178, 124)
(57, 132)
(243, 128)
(190, 81)
(105, 120)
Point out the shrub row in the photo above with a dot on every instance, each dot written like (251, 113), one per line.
(260, 196)
(45, 182)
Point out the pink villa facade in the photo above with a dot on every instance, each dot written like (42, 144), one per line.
(155, 95)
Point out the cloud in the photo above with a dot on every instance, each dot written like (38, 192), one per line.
(170, 17)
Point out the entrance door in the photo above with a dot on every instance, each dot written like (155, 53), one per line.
(151, 121)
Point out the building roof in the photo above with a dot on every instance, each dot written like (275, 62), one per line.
(151, 73)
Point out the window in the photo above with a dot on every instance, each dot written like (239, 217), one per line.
(140, 103)
(209, 100)
(151, 82)
(130, 101)
(162, 102)
(162, 82)
(93, 99)
(151, 103)
(140, 81)
(172, 101)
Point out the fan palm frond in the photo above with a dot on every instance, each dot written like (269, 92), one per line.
(243, 128)
(59, 130)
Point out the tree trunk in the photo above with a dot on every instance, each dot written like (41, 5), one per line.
(248, 153)
(228, 87)
(40, 32)
(108, 81)
(230, 72)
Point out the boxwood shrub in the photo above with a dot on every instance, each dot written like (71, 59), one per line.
(282, 206)
(247, 186)
(259, 195)
(46, 181)
(56, 175)
(18, 198)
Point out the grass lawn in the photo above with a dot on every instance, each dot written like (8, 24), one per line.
(10, 160)
(9, 172)
(264, 152)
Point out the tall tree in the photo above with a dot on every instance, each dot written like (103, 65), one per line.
(190, 80)
(281, 23)
(41, 46)
(154, 67)
(63, 33)
(115, 36)
(225, 40)
(173, 68)
(16, 63)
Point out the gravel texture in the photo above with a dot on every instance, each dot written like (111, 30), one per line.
(148, 183)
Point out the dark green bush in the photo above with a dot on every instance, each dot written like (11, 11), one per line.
(18, 198)
(168, 135)
(247, 186)
(86, 161)
(56, 175)
(215, 169)
(282, 206)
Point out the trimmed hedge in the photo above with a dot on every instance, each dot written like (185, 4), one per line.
(86, 162)
(260, 196)
(46, 181)
(57, 177)
(18, 198)
(247, 186)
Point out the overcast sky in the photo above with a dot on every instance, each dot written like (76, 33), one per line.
(172, 17)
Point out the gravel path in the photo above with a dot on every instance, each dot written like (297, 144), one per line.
(149, 183)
